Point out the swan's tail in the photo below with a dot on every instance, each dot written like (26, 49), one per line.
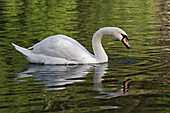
(24, 51)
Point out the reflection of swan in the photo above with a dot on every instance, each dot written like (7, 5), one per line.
(57, 76)
(126, 85)
(60, 75)
(115, 93)
(62, 49)
(98, 86)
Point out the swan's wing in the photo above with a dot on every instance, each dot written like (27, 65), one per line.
(61, 46)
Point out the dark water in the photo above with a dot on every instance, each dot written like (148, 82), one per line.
(133, 81)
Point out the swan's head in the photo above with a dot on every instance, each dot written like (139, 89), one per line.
(117, 33)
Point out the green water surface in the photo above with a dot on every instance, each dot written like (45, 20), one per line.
(99, 88)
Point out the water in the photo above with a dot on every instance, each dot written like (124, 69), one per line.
(133, 81)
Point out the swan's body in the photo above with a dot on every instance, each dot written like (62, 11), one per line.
(61, 49)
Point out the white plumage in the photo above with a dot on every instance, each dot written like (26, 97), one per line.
(61, 49)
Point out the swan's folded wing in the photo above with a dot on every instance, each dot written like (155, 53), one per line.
(62, 47)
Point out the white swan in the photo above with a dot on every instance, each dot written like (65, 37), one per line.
(61, 49)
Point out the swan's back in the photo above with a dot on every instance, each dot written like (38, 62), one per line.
(61, 46)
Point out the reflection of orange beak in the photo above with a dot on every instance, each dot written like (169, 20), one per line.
(125, 42)
(126, 85)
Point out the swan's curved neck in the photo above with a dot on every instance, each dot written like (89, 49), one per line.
(99, 52)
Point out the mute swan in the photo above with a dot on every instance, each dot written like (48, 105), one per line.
(61, 49)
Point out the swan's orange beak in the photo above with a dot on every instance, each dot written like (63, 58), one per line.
(125, 42)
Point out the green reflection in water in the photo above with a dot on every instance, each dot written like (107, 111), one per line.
(28, 22)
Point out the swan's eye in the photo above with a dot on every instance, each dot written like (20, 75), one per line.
(124, 36)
